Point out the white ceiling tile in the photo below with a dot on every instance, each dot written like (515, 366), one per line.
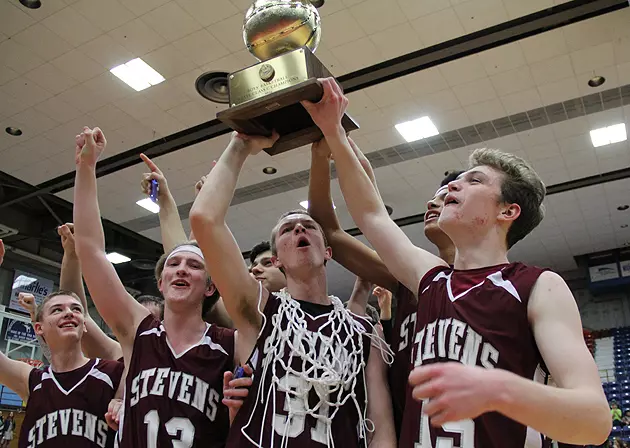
(579, 148)
(475, 92)
(610, 73)
(461, 71)
(370, 121)
(485, 111)
(140, 7)
(605, 118)
(14, 19)
(552, 70)
(329, 8)
(109, 117)
(338, 29)
(385, 138)
(397, 41)
(590, 32)
(162, 123)
(136, 135)
(557, 177)
(32, 122)
(25, 91)
(190, 114)
(360, 103)
(48, 8)
(425, 81)
(502, 59)
(137, 37)
(51, 79)
(17, 57)
(171, 21)
(402, 111)
(63, 135)
(570, 128)
(451, 120)
(72, 26)
(229, 32)
(558, 91)
(512, 81)
(58, 109)
(208, 13)
(138, 106)
(109, 86)
(621, 48)
(78, 66)
(358, 54)
(169, 62)
(543, 151)
(593, 58)
(518, 8)
(6, 75)
(201, 47)
(387, 93)
(186, 83)
(377, 15)
(438, 27)
(331, 62)
(476, 15)
(521, 101)
(544, 46)
(439, 101)
(108, 15)
(614, 163)
(106, 51)
(42, 42)
(417, 8)
(167, 95)
(84, 98)
(623, 70)
(582, 171)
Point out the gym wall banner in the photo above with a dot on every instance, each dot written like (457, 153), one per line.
(29, 283)
(19, 331)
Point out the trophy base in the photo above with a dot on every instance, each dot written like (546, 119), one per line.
(281, 111)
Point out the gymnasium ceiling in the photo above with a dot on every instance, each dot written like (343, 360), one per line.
(529, 96)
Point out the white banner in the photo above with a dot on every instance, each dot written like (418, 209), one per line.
(29, 283)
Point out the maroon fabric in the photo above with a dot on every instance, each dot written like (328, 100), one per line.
(68, 409)
(476, 317)
(170, 399)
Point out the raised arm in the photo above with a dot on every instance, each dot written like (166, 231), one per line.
(119, 309)
(379, 407)
(346, 250)
(357, 303)
(94, 343)
(14, 375)
(405, 261)
(223, 257)
(171, 226)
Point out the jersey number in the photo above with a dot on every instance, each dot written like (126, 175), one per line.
(175, 426)
(459, 434)
(294, 427)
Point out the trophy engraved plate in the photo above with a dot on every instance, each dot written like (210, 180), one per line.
(282, 34)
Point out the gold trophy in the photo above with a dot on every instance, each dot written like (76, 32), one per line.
(282, 35)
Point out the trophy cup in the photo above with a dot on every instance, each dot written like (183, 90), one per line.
(282, 35)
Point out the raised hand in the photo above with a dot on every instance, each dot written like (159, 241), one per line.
(255, 143)
(236, 390)
(90, 144)
(155, 174)
(200, 182)
(112, 416)
(328, 111)
(1, 252)
(384, 297)
(321, 149)
(27, 301)
(66, 232)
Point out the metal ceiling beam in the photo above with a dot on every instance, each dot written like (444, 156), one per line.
(513, 30)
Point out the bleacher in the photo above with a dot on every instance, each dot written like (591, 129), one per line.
(9, 399)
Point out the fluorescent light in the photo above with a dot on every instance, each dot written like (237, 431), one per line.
(304, 205)
(137, 74)
(417, 129)
(116, 258)
(22, 281)
(148, 204)
(609, 135)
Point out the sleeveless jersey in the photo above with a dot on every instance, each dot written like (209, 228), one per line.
(68, 409)
(262, 420)
(175, 399)
(401, 343)
(475, 317)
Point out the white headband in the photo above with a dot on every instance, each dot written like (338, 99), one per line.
(186, 248)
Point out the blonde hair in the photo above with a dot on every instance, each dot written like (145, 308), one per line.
(520, 185)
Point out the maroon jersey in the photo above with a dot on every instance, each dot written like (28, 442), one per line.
(175, 399)
(263, 421)
(68, 409)
(476, 317)
(402, 341)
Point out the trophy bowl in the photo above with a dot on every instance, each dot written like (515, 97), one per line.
(275, 27)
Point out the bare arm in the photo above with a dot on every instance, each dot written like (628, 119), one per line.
(94, 343)
(359, 298)
(576, 411)
(405, 261)
(14, 375)
(347, 250)
(379, 407)
(223, 257)
(171, 227)
(120, 310)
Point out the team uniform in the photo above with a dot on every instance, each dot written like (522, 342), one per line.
(68, 409)
(175, 399)
(285, 412)
(475, 317)
(401, 343)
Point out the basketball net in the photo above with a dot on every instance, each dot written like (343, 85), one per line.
(331, 366)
